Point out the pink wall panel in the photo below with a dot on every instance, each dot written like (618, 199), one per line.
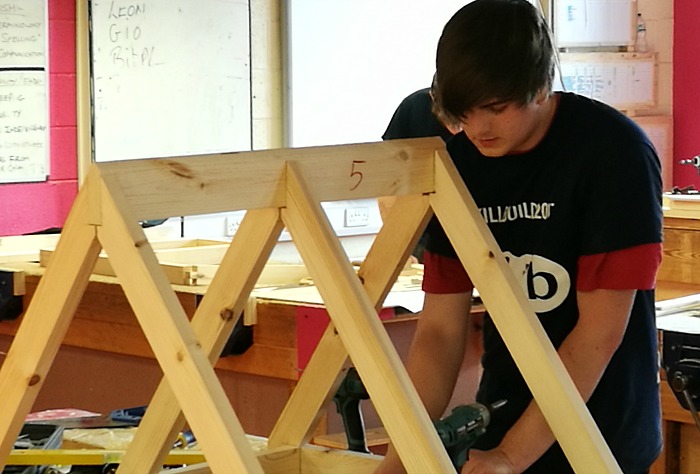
(62, 99)
(686, 90)
(64, 153)
(31, 207)
(34, 207)
(62, 10)
(62, 34)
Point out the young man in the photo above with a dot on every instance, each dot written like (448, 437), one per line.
(415, 117)
(571, 190)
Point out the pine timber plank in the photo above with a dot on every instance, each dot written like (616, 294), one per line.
(24, 248)
(45, 323)
(317, 460)
(322, 375)
(227, 296)
(376, 437)
(185, 262)
(361, 331)
(176, 274)
(18, 284)
(202, 184)
(169, 333)
(306, 460)
(312, 394)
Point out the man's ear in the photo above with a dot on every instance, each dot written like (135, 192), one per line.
(542, 96)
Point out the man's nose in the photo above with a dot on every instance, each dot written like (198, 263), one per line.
(478, 123)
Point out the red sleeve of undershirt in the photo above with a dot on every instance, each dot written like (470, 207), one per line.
(444, 275)
(632, 268)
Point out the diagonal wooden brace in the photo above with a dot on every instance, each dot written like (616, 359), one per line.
(324, 372)
(362, 333)
(45, 323)
(212, 323)
(187, 368)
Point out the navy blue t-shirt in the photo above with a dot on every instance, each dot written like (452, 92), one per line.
(414, 118)
(591, 186)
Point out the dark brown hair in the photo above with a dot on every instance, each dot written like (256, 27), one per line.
(492, 50)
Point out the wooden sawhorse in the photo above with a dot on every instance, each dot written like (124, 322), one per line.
(283, 188)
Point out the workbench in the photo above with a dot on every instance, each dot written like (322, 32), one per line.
(678, 276)
(105, 333)
(106, 363)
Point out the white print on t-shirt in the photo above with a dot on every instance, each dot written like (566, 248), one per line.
(546, 283)
(524, 210)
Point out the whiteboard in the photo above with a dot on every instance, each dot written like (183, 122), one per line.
(626, 81)
(169, 77)
(594, 23)
(351, 62)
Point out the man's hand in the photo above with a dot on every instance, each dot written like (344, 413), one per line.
(488, 462)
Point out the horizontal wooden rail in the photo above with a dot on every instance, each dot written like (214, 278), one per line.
(166, 187)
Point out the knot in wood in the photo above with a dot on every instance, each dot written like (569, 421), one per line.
(34, 379)
(226, 314)
(179, 169)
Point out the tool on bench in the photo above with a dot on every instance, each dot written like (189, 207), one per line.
(132, 416)
(681, 361)
(347, 402)
(458, 431)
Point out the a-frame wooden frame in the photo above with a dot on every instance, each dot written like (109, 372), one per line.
(282, 188)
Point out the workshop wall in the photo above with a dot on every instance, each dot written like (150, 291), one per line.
(686, 93)
(32, 207)
(26, 207)
(659, 18)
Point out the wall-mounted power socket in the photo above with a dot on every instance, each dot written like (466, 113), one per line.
(356, 217)
(232, 224)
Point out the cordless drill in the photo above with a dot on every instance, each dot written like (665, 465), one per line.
(459, 430)
(347, 403)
